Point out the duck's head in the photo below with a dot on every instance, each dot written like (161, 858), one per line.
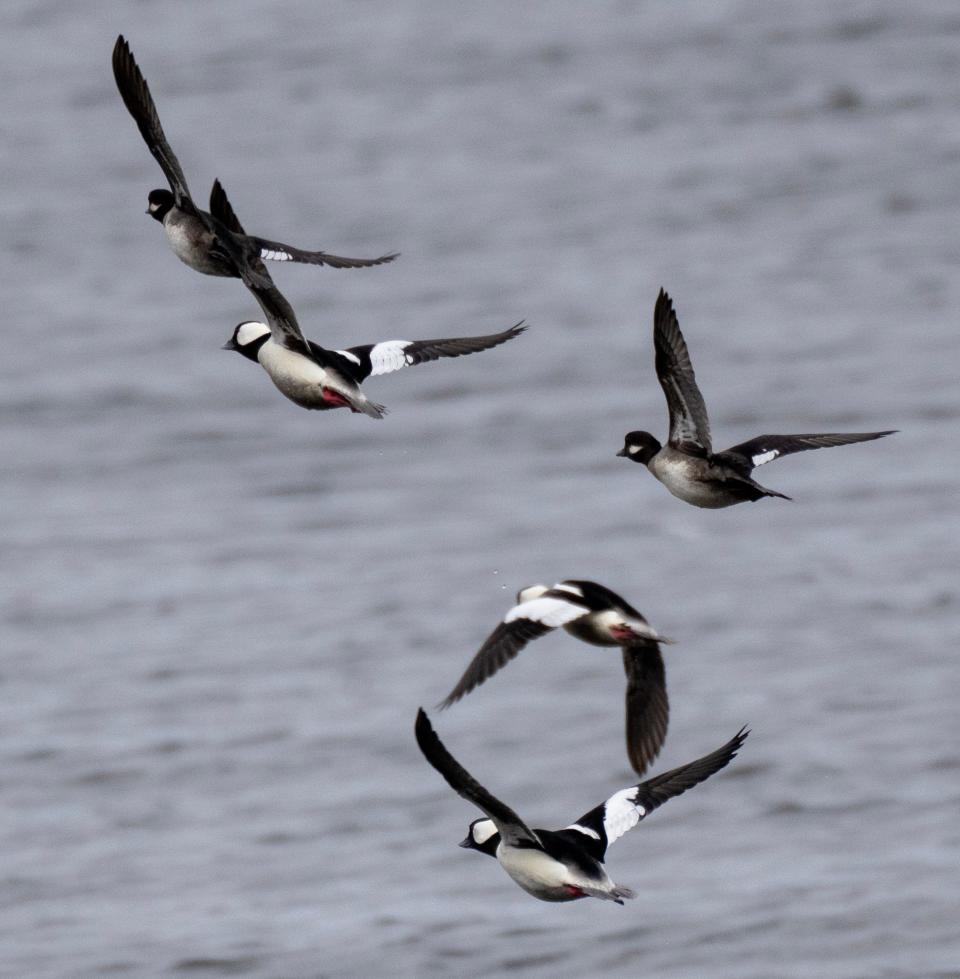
(483, 836)
(248, 338)
(640, 447)
(158, 203)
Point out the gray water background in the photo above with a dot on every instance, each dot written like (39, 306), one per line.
(220, 612)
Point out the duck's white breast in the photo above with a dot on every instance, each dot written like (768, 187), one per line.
(298, 377)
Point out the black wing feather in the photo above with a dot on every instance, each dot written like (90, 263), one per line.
(136, 97)
(232, 244)
(652, 794)
(501, 646)
(421, 351)
(222, 210)
(689, 424)
(648, 709)
(765, 448)
(656, 791)
(465, 785)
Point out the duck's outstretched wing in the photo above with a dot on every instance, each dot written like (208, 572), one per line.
(689, 425)
(511, 827)
(524, 622)
(765, 448)
(648, 709)
(277, 251)
(136, 97)
(601, 826)
(393, 355)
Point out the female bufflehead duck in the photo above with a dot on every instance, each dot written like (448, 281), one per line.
(308, 374)
(598, 616)
(566, 864)
(191, 231)
(687, 464)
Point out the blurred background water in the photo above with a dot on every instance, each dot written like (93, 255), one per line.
(220, 612)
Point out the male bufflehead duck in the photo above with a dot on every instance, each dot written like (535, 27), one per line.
(687, 464)
(566, 864)
(598, 616)
(308, 374)
(189, 230)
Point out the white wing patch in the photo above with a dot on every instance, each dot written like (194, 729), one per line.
(551, 612)
(271, 255)
(250, 331)
(620, 813)
(389, 356)
(762, 457)
(349, 356)
(570, 589)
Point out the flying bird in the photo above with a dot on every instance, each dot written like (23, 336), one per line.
(566, 864)
(599, 616)
(687, 464)
(190, 231)
(306, 373)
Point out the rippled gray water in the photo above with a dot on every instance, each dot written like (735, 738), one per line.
(220, 612)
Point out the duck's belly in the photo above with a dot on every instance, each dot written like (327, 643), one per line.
(678, 475)
(190, 242)
(299, 379)
(538, 874)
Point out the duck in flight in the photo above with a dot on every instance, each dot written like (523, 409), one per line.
(687, 464)
(566, 864)
(306, 373)
(190, 231)
(596, 615)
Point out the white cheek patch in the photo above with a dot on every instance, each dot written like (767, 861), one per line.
(270, 255)
(248, 332)
(389, 356)
(551, 612)
(633, 449)
(483, 830)
(759, 460)
(620, 813)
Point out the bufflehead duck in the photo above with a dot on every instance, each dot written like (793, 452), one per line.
(598, 616)
(308, 374)
(190, 231)
(566, 864)
(687, 464)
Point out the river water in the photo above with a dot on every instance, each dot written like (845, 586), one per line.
(220, 612)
